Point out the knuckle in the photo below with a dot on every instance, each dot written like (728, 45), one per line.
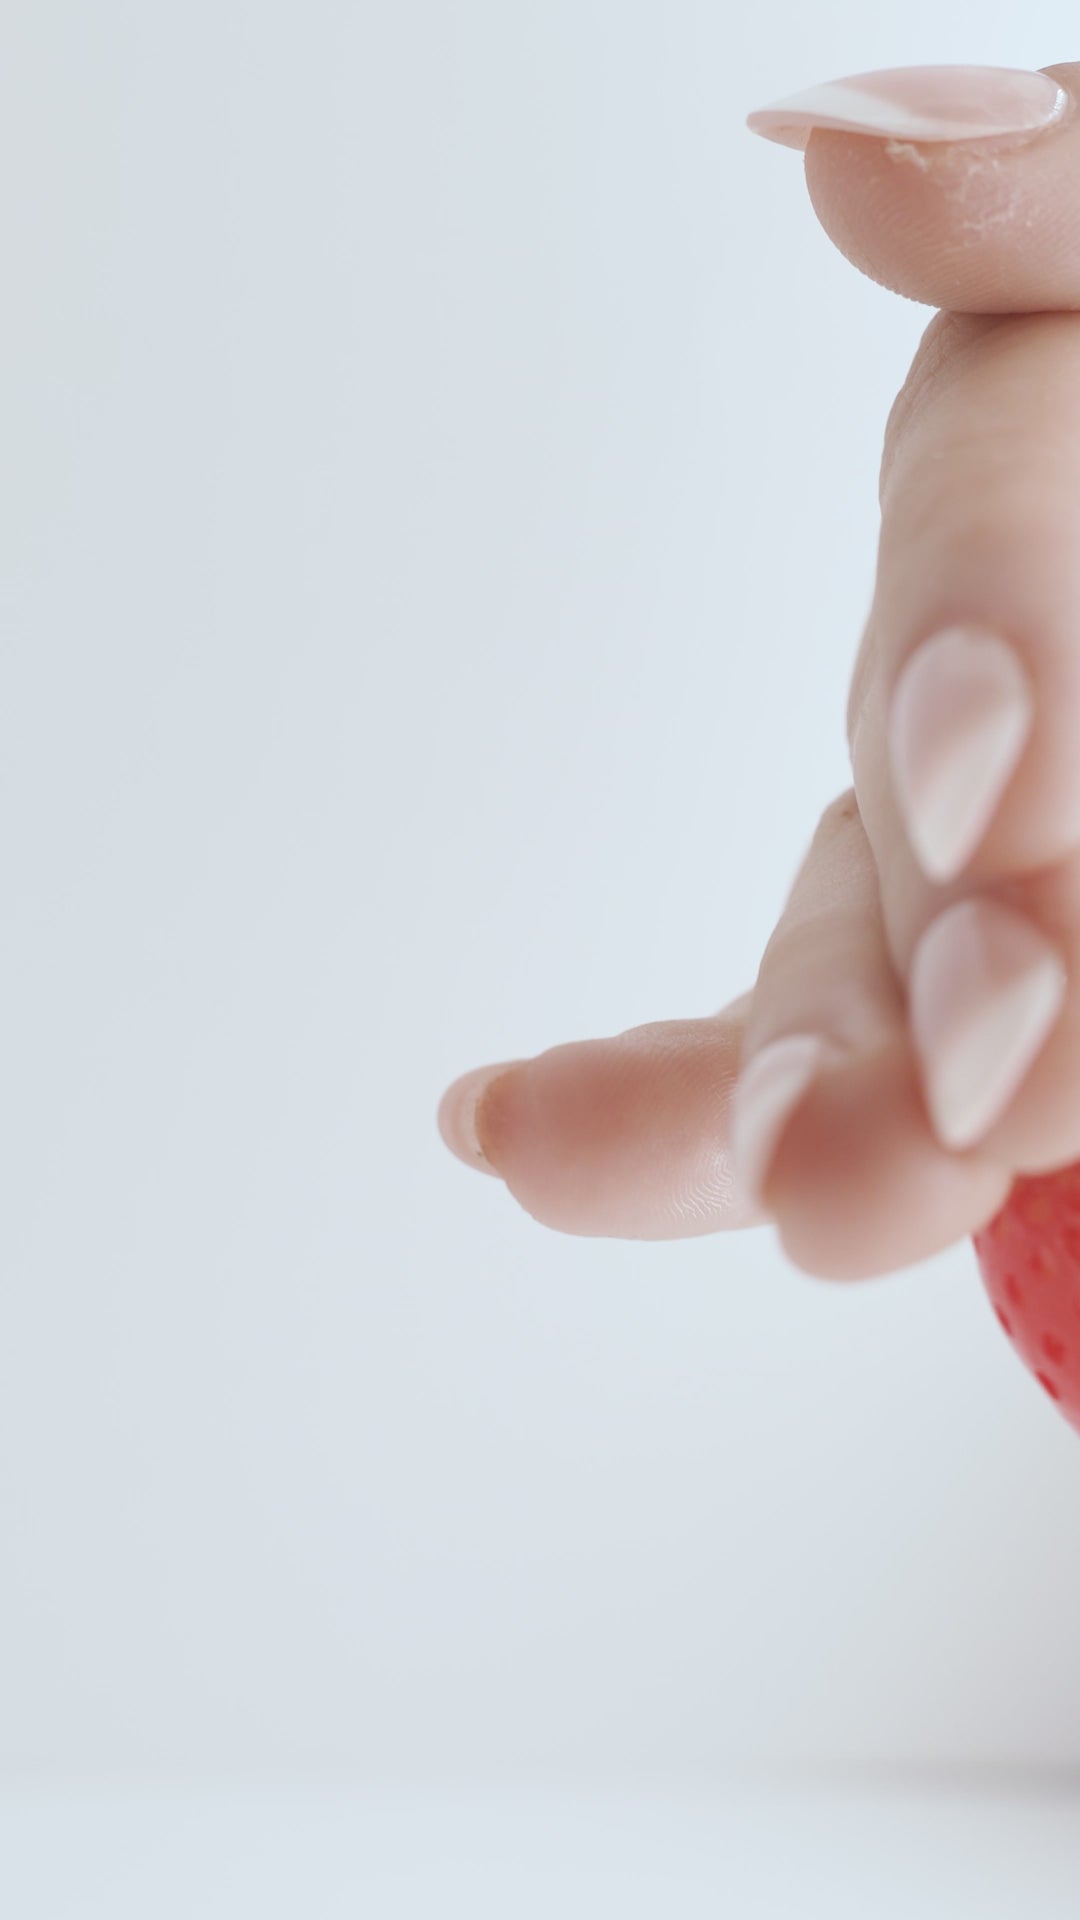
(946, 340)
(840, 813)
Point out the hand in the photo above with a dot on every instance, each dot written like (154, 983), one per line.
(912, 1041)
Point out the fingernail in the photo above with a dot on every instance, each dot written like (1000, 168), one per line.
(985, 990)
(960, 717)
(918, 103)
(766, 1095)
(457, 1115)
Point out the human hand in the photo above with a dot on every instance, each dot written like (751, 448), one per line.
(912, 1041)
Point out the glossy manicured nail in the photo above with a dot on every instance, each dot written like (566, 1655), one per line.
(986, 988)
(918, 104)
(766, 1094)
(960, 718)
(457, 1115)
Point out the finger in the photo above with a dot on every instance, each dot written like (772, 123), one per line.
(627, 1136)
(956, 186)
(829, 1124)
(631, 1136)
(991, 970)
(968, 676)
(963, 729)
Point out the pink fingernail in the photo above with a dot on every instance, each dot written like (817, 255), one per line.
(918, 103)
(457, 1115)
(961, 714)
(766, 1094)
(986, 988)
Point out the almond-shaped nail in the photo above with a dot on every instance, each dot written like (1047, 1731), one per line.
(985, 989)
(767, 1092)
(917, 104)
(960, 717)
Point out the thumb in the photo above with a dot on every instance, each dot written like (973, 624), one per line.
(626, 1137)
(956, 186)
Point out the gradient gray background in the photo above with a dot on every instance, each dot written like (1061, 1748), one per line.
(440, 456)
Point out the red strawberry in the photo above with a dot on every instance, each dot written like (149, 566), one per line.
(1029, 1258)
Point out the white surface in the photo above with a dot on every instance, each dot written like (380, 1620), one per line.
(439, 510)
(948, 1849)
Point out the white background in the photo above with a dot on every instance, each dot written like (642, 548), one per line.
(439, 467)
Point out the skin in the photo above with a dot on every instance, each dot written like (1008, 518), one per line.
(628, 1136)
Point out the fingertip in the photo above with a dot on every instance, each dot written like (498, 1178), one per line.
(854, 1201)
(458, 1116)
(624, 1137)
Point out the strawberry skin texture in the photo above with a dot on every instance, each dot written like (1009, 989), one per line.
(1029, 1258)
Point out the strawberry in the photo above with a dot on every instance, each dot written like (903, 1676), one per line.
(1029, 1258)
